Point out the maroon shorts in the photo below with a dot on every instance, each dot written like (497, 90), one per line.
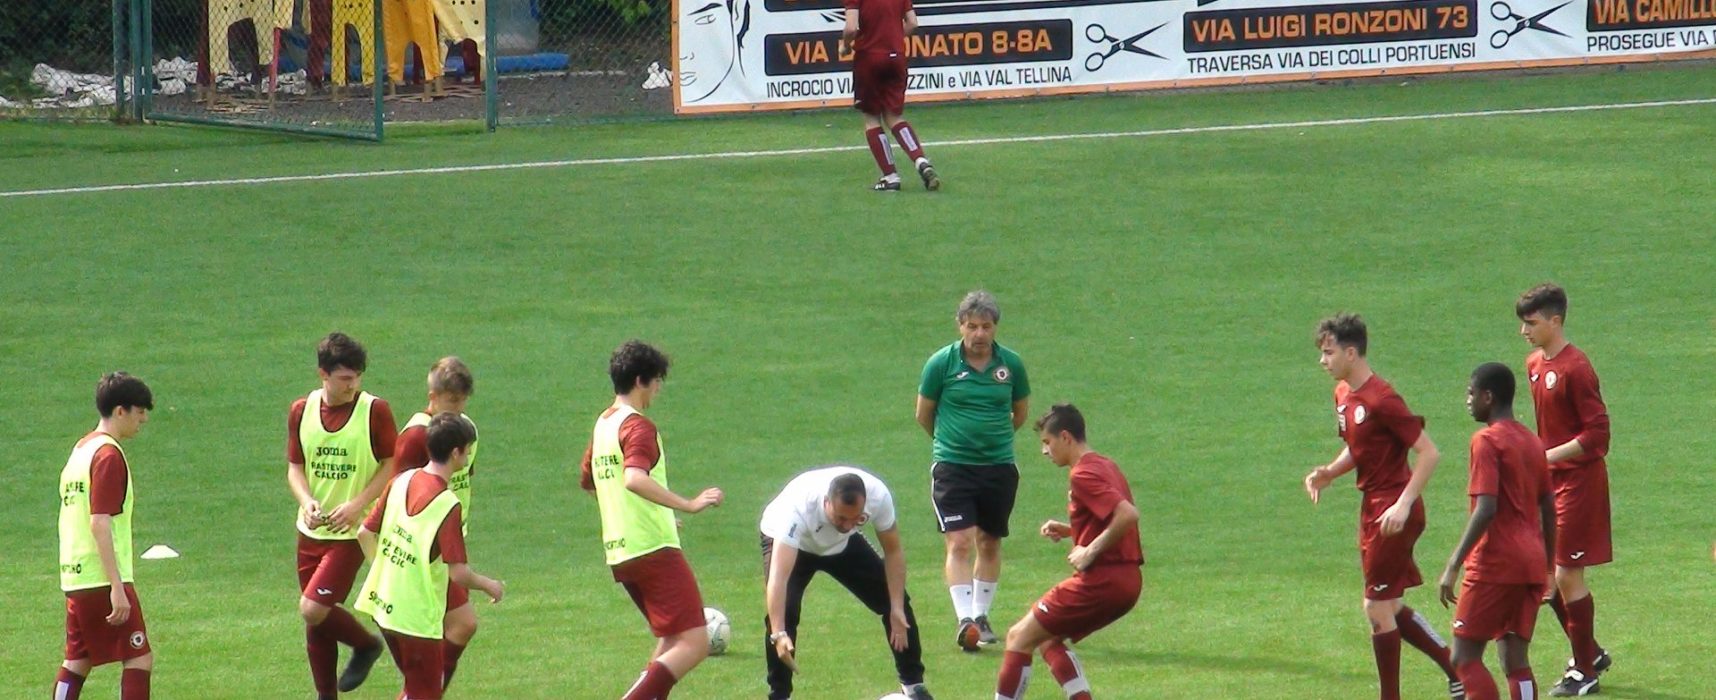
(420, 661)
(1582, 516)
(328, 568)
(457, 596)
(1389, 568)
(879, 82)
(661, 585)
(90, 638)
(1489, 611)
(1081, 605)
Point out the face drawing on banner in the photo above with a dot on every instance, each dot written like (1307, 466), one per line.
(720, 26)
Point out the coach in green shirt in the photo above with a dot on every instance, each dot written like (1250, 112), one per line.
(972, 398)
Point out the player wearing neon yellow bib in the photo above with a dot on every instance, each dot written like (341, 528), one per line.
(626, 470)
(104, 620)
(339, 454)
(450, 389)
(418, 546)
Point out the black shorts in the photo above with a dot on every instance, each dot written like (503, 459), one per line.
(966, 496)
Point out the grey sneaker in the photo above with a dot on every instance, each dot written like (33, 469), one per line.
(985, 634)
(969, 635)
(916, 692)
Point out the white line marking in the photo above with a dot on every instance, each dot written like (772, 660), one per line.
(728, 155)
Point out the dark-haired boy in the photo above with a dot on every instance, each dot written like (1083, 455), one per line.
(1573, 423)
(1506, 542)
(339, 453)
(104, 620)
(626, 469)
(1105, 559)
(1378, 429)
(417, 524)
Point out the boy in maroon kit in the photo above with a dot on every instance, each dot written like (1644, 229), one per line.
(1378, 430)
(1105, 559)
(1574, 425)
(876, 32)
(1506, 544)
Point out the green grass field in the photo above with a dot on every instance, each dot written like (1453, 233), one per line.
(1167, 285)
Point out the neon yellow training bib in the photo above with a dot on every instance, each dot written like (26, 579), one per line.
(338, 465)
(80, 559)
(406, 592)
(460, 482)
(631, 525)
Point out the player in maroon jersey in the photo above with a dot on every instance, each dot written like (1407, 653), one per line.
(1105, 558)
(1574, 425)
(1506, 544)
(876, 32)
(1378, 430)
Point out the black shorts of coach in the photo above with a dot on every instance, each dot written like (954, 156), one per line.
(861, 571)
(980, 496)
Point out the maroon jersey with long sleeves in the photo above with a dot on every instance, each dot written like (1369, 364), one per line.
(1569, 405)
(1508, 463)
(881, 25)
(1378, 429)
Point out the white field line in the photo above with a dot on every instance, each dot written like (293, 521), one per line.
(729, 155)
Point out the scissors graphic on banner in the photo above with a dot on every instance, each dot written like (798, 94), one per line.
(1097, 34)
(1501, 10)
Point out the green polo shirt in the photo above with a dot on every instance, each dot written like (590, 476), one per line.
(974, 406)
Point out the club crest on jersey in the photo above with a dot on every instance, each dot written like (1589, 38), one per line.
(1359, 414)
(137, 640)
(1001, 373)
(1550, 379)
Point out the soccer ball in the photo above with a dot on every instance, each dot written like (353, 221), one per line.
(720, 631)
(895, 696)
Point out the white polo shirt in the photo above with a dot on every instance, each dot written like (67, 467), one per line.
(796, 517)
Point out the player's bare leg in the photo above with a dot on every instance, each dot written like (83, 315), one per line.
(69, 682)
(1517, 663)
(675, 656)
(1574, 605)
(1469, 663)
(1023, 639)
(907, 137)
(457, 629)
(876, 137)
(961, 545)
(340, 626)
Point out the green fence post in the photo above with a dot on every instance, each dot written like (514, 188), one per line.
(119, 69)
(146, 67)
(380, 59)
(136, 46)
(491, 82)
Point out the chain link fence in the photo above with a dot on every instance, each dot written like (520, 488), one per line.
(293, 65)
(63, 60)
(583, 60)
(337, 67)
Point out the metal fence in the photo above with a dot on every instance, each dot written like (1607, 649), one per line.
(63, 60)
(337, 67)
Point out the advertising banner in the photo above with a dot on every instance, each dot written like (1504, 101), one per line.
(739, 55)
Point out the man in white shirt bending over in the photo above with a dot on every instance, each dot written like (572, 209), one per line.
(810, 527)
